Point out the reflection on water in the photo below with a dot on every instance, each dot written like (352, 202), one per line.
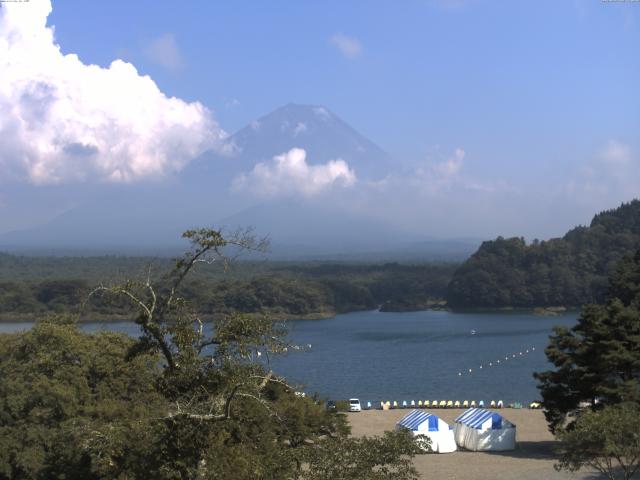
(410, 356)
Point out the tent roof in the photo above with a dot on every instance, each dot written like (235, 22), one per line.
(415, 418)
(475, 417)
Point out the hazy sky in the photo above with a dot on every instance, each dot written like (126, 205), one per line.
(530, 109)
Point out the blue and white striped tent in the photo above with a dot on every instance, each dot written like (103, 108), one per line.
(431, 426)
(417, 420)
(479, 417)
(480, 429)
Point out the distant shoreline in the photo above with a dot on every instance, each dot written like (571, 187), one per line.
(9, 318)
(284, 317)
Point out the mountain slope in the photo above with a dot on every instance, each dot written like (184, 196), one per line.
(569, 271)
(325, 232)
(317, 130)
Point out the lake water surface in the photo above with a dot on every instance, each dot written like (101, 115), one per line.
(410, 356)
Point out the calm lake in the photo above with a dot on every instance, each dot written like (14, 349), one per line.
(410, 356)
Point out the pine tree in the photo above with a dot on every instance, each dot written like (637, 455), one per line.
(597, 361)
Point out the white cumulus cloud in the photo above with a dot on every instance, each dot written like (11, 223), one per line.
(350, 47)
(62, 120)
(290, 174)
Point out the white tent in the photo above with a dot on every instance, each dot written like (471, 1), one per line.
(432, 427)
(478, 429)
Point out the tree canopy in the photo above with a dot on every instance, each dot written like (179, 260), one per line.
(568, 271)
(607, 441)
(597, 362)
(34, 287)
(64, 395)
(181, 401)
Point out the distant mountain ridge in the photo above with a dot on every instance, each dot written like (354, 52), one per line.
(568, 271)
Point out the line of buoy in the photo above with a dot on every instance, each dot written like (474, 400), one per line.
(506, 358)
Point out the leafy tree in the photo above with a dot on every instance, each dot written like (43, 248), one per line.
(215, 383)
(61, 390)
(185, 400)
(377, 458)
(607, 440)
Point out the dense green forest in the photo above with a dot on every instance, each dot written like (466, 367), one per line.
(31, 287)
(568, 271)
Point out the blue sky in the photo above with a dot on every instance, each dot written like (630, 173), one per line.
(522, 85)
(541, 97)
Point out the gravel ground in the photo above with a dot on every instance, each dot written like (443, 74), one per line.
(533, 458)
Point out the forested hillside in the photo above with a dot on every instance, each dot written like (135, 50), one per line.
(567, 271)
(32, 287)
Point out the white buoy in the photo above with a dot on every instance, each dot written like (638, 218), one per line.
(491, 364)
(470, 370)
(459, 374)
(480, 366)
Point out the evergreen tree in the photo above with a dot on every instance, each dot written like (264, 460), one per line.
(598, 360)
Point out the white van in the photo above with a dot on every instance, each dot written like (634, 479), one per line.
(354, 405)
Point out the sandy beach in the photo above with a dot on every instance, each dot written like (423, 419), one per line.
(532, 460)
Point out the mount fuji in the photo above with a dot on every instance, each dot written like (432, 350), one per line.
(313, 128)
(150, 216)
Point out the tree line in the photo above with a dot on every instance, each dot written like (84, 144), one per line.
(568, 271)
(31, 287)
